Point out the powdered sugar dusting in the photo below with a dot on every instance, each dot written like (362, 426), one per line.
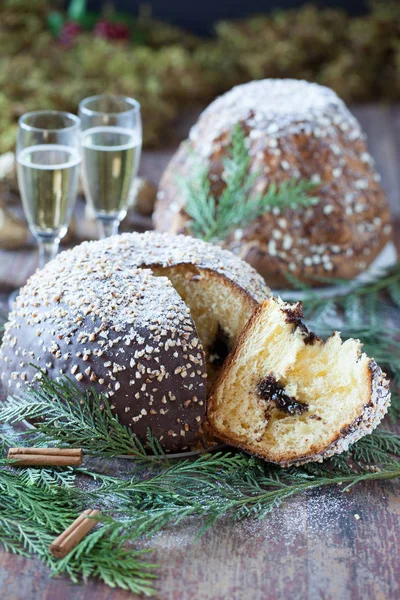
(273, 107)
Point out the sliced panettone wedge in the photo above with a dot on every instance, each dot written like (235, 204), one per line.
(289, 397)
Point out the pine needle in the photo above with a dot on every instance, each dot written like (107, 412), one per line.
(64, 414)
(38, 503)
(213, 219)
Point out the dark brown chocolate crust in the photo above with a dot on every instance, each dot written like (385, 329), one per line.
(125, 333)
(294, 129)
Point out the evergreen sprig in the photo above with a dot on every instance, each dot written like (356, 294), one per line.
(48, 478)
(31, 517)
(214, 218)
(386, 284)
(37, 504)
(235, 485)
(62, 412)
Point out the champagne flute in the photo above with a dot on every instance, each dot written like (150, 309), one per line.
(111, 142)
(48, 159)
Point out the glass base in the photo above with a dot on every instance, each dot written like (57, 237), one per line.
(48, 248)
(107, 227)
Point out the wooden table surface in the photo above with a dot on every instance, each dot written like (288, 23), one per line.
(324, 545)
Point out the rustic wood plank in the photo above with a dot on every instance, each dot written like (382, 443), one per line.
(311, 547)
(27, 579)
(354, 558)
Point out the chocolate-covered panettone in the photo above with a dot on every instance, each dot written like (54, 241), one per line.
(294, 129)
(105, 315)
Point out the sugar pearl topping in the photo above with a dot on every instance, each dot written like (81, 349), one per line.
(149, 249)
(273, 107)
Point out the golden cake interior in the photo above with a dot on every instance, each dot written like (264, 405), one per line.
(329, 380)
(220, 311)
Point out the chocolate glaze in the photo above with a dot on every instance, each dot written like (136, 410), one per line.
(98, 315)
(272, 391)
(127, 335)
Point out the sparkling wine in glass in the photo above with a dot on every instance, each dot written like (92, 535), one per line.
(111, 145)
(48, 159)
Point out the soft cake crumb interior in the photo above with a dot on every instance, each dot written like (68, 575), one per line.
(332, 378)
(218, 310)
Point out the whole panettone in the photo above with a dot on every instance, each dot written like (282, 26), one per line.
(294, 129)
(145, 319)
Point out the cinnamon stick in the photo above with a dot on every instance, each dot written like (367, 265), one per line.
(75, 533)
(46, 457)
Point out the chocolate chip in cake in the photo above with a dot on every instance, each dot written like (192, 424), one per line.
(294, 316)
(272, 391)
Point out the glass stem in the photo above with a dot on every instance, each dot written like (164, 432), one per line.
(48, 250)
(108, 227)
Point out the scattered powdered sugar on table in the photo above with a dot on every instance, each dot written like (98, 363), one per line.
(307, 516)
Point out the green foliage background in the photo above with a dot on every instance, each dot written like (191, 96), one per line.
(168, 69)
